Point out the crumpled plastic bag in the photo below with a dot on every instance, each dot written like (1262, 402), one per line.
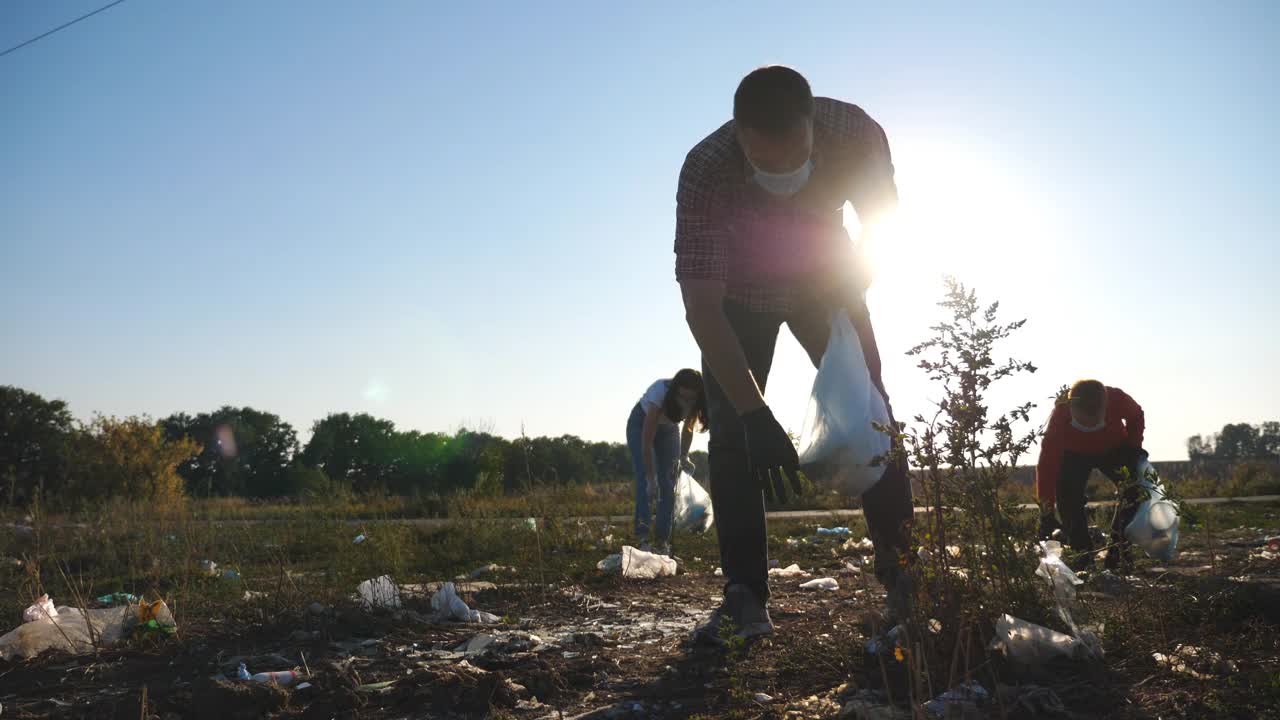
(43, 609)
(637, 564)
(79, 632)
(839, 443)
(1023, 641)
(449, 606)
(693, 505)
(1057, 573)
(380, 592)
(1154, 527)
(791, 570)
(825, 583)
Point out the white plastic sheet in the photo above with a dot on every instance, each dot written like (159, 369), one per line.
(77, 632)
(693, 505)
(838, 431)
(637, 564)
(1154, 527)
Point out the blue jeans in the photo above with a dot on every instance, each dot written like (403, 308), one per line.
(666, 450)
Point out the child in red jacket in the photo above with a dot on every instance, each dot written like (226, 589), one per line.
(1094, 427)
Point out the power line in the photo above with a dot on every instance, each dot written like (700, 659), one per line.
(63, 26)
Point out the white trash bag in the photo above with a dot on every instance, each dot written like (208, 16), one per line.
(693, 505)
(1154, 527)
(838, 427)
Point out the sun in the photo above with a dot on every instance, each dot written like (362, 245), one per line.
(960, 213)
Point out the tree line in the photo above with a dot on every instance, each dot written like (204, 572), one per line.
(1237, 442)
(244, 452)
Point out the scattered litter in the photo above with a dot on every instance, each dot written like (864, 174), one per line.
(789, 571)
(836, 531)
(209, 568)
(531, 523)
(380, 592)
(254, 595)
(719, 572)
(74, 631)
(863, 546)
(971, 695)
(1200, 663)
(1023, 641)
(852, 569)
(119, 598)
(693, 511)
(825, 583)
(638, 564)
(303, 686)
(43, 609)
(763, 698)
(448, 606)
(359, 539)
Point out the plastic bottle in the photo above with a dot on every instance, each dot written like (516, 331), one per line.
(283, 678)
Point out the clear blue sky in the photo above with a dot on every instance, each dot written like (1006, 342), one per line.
(462, 213)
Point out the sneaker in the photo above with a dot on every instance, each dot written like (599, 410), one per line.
(740, 609)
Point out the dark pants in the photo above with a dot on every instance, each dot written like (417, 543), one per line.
(1072, 480)
(738, 501)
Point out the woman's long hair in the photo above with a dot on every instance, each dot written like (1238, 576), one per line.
(686, 378)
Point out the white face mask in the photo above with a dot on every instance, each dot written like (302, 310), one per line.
(1082, 428)
(785, 184)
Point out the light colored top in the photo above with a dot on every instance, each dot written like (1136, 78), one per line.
(654, 397)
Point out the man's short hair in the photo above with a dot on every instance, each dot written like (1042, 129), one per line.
(1088, 396)
(773, 100)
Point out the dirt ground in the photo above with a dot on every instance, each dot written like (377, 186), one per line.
(612, 648)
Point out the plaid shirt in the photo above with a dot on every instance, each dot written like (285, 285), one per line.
(769, 249)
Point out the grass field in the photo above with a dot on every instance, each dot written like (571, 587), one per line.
(611, 645)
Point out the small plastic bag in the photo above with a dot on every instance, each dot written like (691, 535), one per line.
(839, 441)
(380, 592)
(450, 607)
(693, 505)
(43, 609)
(637, 564)
(1154, 527)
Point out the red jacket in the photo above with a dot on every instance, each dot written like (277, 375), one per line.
(1124, 427)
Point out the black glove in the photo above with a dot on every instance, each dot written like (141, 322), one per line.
(771, 455)
(1049, 524)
